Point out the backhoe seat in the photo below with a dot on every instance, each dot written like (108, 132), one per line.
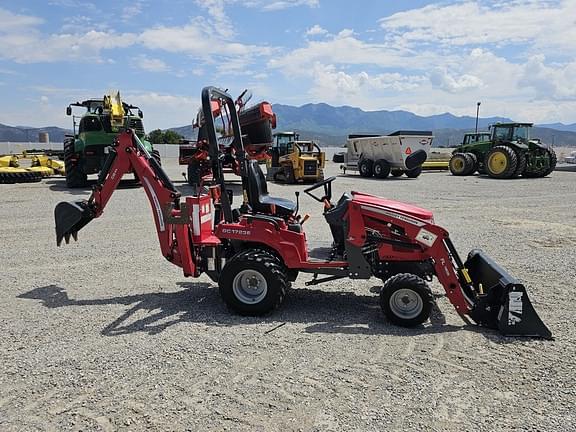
(258, 197)
(335, 218)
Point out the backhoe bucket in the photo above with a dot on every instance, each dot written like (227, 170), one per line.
(70, 218)
(503, 302)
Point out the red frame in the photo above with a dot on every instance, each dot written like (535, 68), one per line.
(181, 243)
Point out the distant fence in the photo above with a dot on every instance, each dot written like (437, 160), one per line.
(166, 150)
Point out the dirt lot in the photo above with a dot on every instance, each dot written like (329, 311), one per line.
(104, 334)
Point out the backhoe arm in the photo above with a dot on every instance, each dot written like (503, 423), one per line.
(128, 154)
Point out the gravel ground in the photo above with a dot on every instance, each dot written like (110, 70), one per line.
(104, 334)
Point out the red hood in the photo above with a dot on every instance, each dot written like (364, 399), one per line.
(401, 207)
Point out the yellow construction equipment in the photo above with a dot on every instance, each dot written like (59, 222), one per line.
(294, 161)
(46, 165)
(9, 161)
(437, 161)
(41, 165)
(113, 104)
(10, 171)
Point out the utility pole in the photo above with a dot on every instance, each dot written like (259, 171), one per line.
(477, 112)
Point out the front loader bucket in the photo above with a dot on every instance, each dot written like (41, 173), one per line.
(503, 302)
(71, 217)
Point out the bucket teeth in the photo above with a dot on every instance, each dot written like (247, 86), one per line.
(71, 217)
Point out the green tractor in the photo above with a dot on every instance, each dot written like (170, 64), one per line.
(85, 151)
(507, 151)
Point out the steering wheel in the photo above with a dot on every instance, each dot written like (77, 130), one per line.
(327, 184)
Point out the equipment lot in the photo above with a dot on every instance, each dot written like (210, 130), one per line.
(104, 334)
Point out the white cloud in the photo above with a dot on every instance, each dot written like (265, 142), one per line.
(79, 24)
(274, 5)
(220, 21)
(196, 39)
(443, 79)
(316, 30)
(347, 49)
(330, 81)
(544, 22)
(21, 41)
(13, 22)
(555, 83)
(163, 110)
(132, 10)
(150, 64)
(36, 48)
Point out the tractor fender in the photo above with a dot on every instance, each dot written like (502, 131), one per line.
(518, 146)
(539, 145)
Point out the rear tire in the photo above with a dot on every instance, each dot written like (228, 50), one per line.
(501, 162)
(396, 173)
(521, 167)
(381, 169)
(414, 172)
(472, 163)
(253, 282)
(406, 300)
(75, 177)
(365, 167)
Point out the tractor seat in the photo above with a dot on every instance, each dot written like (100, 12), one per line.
(258, 197)
(335, 218)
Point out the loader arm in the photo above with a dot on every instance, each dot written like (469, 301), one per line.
(129, 154)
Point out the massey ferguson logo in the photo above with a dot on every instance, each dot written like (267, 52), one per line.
(234, 231)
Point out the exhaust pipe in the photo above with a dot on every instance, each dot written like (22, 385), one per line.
(502, 302)
(71, 217)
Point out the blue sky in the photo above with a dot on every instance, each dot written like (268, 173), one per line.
(517, 57)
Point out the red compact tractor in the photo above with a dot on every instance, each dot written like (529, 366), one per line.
(256, 250)
(256, 123)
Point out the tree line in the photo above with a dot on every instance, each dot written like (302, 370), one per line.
(158, 136)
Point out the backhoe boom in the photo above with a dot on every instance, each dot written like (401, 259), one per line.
(171, 225)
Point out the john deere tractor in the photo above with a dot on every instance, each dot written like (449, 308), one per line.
(507, 151)
(85, 151)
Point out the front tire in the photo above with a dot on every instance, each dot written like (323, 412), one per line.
(75, 177)
(253, 282)
(406, 300)
(552, 161)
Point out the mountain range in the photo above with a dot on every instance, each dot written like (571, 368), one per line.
(30, 134)
(330, 125)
